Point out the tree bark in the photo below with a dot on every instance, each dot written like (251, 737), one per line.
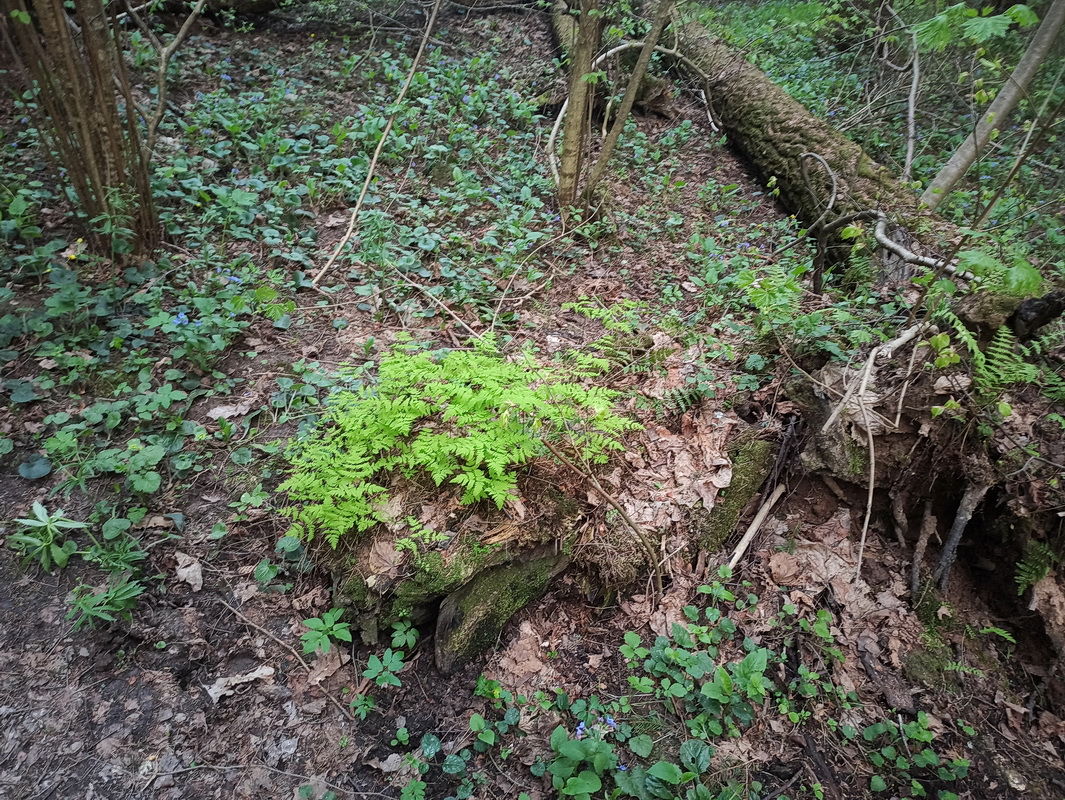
(999, 110)
(580, 96)
(772, 132)
(661, 19)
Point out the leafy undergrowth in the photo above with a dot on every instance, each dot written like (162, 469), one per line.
(148, 408)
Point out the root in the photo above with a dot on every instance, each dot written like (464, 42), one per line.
(974, 494)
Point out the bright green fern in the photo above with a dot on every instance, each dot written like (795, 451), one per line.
(466, 417)
(1039, 558)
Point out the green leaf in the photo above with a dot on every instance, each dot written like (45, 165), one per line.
(1022, 279)
(6, 445)
(35, 467)
(1022, 15)
(265, 571)
(453, 765)
(146, 482)
(695, 756)
(585, 783)
(877, 784)
(242, 456)
(20, 391)
(642, 745)
(665, 771)
(430, 745)
(980, 29)
(114, 528)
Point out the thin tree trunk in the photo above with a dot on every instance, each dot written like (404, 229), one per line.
(661, 19)
(999, 110)
(580, 96)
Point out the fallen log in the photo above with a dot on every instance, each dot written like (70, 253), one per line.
(773, 132)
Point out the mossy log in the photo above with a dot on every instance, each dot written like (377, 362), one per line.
(772, 131)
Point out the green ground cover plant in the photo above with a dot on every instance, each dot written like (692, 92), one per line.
(465, 417)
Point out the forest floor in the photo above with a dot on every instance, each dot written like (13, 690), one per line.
(205, 693)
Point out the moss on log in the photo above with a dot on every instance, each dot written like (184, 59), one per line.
(771, 130)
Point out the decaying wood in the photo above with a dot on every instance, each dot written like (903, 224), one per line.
(773, 131)
(970, 499)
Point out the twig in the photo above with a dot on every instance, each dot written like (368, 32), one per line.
(911, 112)
(928, 526)
(347, 714)
(652, 554)
(970, 499)
(755, 525)
(872, 481)
(886, 350)
(380, 147)
(165, 54)
(439, 302)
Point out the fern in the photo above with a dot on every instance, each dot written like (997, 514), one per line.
(467, 417)
(1035, 565)
(1003, 365)
(1006, 362)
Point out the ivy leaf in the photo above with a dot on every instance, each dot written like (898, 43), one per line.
(980, 29)
(453, 765)
(20, 391)
(146, 482)
(430, 745)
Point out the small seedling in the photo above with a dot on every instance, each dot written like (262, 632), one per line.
(323, 630)
(382, 670)
(92, 604)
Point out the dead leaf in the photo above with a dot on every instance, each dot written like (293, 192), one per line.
(226, 412)
(226, 686)
(325, 666)
(189, 570)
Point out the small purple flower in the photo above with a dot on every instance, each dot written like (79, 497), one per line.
(622, 768)
(580, 731)
(610, 721)
(181, 319)
(226, 77)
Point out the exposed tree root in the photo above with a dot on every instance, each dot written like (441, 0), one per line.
(974, 494)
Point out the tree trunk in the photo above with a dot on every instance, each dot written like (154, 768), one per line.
(999, 110)
(772, 132)
(580, 97)
(661, 19)
(75, 63)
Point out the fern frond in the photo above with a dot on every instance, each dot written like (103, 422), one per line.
(1035, 565)
(468, 417)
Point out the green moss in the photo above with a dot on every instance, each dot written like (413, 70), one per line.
(857, 458)
(928, 664)
(750, 463)
(472, 618)
(435, 576)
